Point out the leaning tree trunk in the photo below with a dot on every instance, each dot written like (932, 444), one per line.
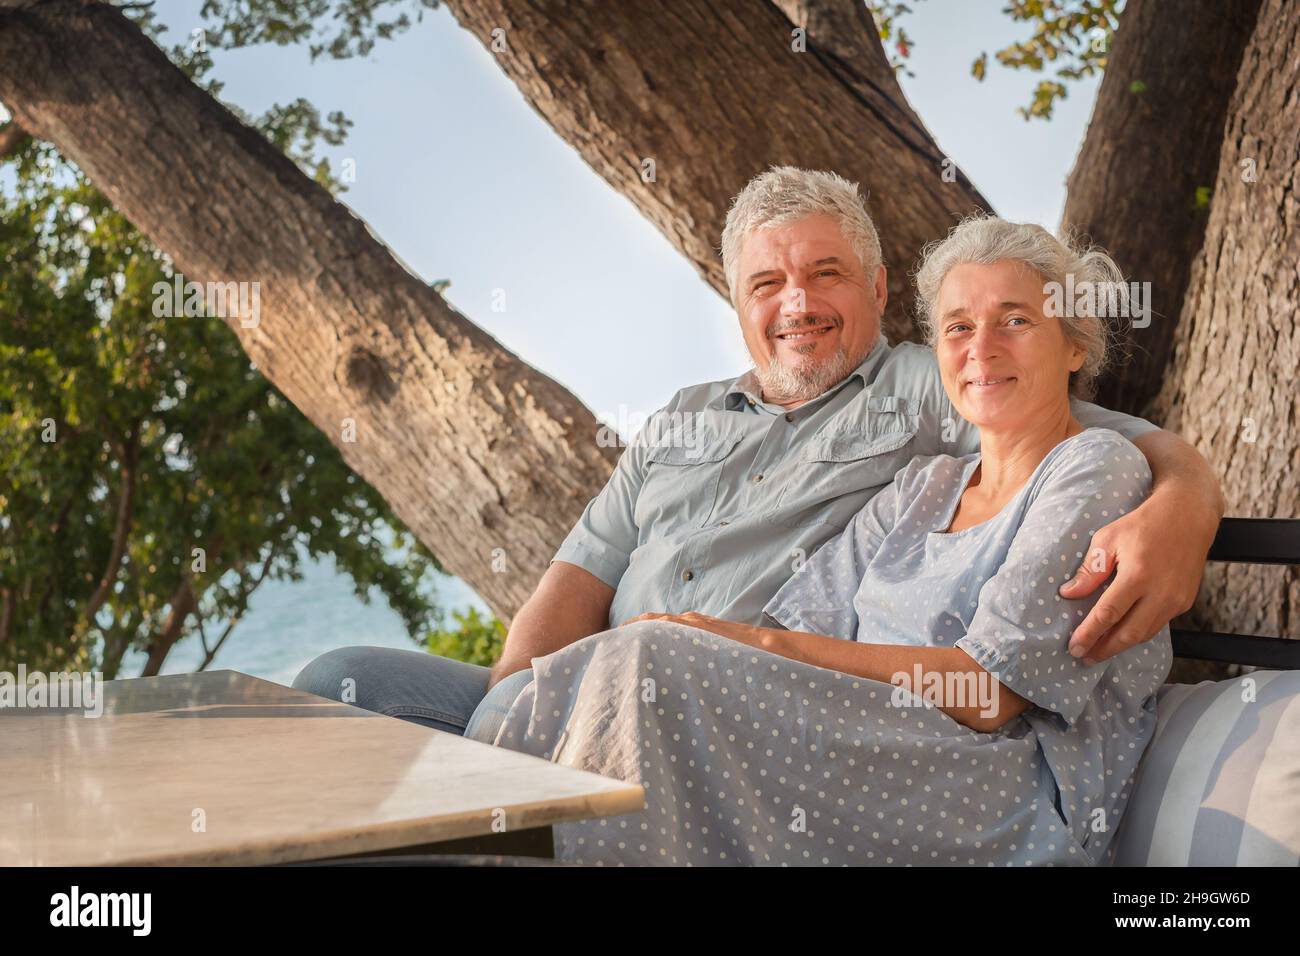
(1231, 388)
(713, 91)
(1152, 143)
(488, 461)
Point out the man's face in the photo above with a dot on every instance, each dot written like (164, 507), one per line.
(808, 312)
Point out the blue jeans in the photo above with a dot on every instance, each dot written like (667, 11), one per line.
(423, 688)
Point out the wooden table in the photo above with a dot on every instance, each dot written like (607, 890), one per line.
(222, 768)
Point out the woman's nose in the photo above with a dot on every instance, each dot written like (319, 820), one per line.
(983, 343)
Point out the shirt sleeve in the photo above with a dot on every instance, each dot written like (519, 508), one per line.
(1094, 416)
(606, 534)
(818, 597)
(1020, 631)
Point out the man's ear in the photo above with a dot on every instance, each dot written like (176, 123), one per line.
(882, 288)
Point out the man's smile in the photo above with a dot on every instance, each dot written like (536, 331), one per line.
(804, 334)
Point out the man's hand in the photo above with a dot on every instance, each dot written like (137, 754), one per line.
(1157, 553)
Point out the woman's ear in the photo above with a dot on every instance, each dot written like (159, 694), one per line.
(1077, 356)
(1078, 351)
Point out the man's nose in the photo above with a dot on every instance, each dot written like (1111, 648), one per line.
(794, 302)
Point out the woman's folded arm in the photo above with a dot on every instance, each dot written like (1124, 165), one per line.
(946, 677)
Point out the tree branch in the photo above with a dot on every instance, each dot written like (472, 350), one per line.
(266, 567)
(128, 467)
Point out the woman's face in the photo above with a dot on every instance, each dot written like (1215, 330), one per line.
(1005, 364)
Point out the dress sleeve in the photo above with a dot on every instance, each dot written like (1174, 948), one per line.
(1020, 631)
(818, 597)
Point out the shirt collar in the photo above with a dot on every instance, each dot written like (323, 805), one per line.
(746, 390)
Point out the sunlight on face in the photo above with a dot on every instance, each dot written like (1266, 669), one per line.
(1004, 363)
(808, 313)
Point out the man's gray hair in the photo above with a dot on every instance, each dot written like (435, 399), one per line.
(784, 194)
(987, 239)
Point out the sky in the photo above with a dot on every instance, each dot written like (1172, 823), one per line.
(464, 181)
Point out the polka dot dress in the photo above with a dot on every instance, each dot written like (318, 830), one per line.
(749, 758)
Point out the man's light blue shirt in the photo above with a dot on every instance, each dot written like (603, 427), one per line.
(721, 497)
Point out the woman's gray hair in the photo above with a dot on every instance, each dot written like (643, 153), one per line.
(987, 239)
(784, 194)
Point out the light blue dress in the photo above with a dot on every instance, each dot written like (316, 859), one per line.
(748, 757)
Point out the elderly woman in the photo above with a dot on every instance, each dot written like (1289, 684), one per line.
(919, 704)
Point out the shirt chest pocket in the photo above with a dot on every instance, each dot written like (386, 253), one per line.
(681, 483)
(843, 466)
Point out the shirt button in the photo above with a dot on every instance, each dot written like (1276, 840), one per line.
(721, 523)
(687, 575)
(758, 477)
(789, 417)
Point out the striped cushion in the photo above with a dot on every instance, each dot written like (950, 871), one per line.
(1219, 784)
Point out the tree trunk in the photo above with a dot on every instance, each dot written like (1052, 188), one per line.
(1147, 151)
(1231, 384)
(488, 461)
(711, 92)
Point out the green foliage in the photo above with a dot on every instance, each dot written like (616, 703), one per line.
(98, 394)
(476, 639)
(337, 28)
(92, 381)
(886, 14)
(1072, 35)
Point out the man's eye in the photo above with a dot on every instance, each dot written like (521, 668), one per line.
(1018, 318)
(961, 327)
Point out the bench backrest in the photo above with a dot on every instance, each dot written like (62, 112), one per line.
(1247, 541)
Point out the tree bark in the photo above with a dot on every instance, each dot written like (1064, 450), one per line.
(712, 92)
(1231, 388)
(1134, 185)
(11, 137)
(485, 459)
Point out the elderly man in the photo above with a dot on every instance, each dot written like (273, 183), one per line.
(734, 483)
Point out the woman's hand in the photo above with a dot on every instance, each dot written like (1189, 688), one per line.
(744, 633)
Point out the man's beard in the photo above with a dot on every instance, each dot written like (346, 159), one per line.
(807, 379)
